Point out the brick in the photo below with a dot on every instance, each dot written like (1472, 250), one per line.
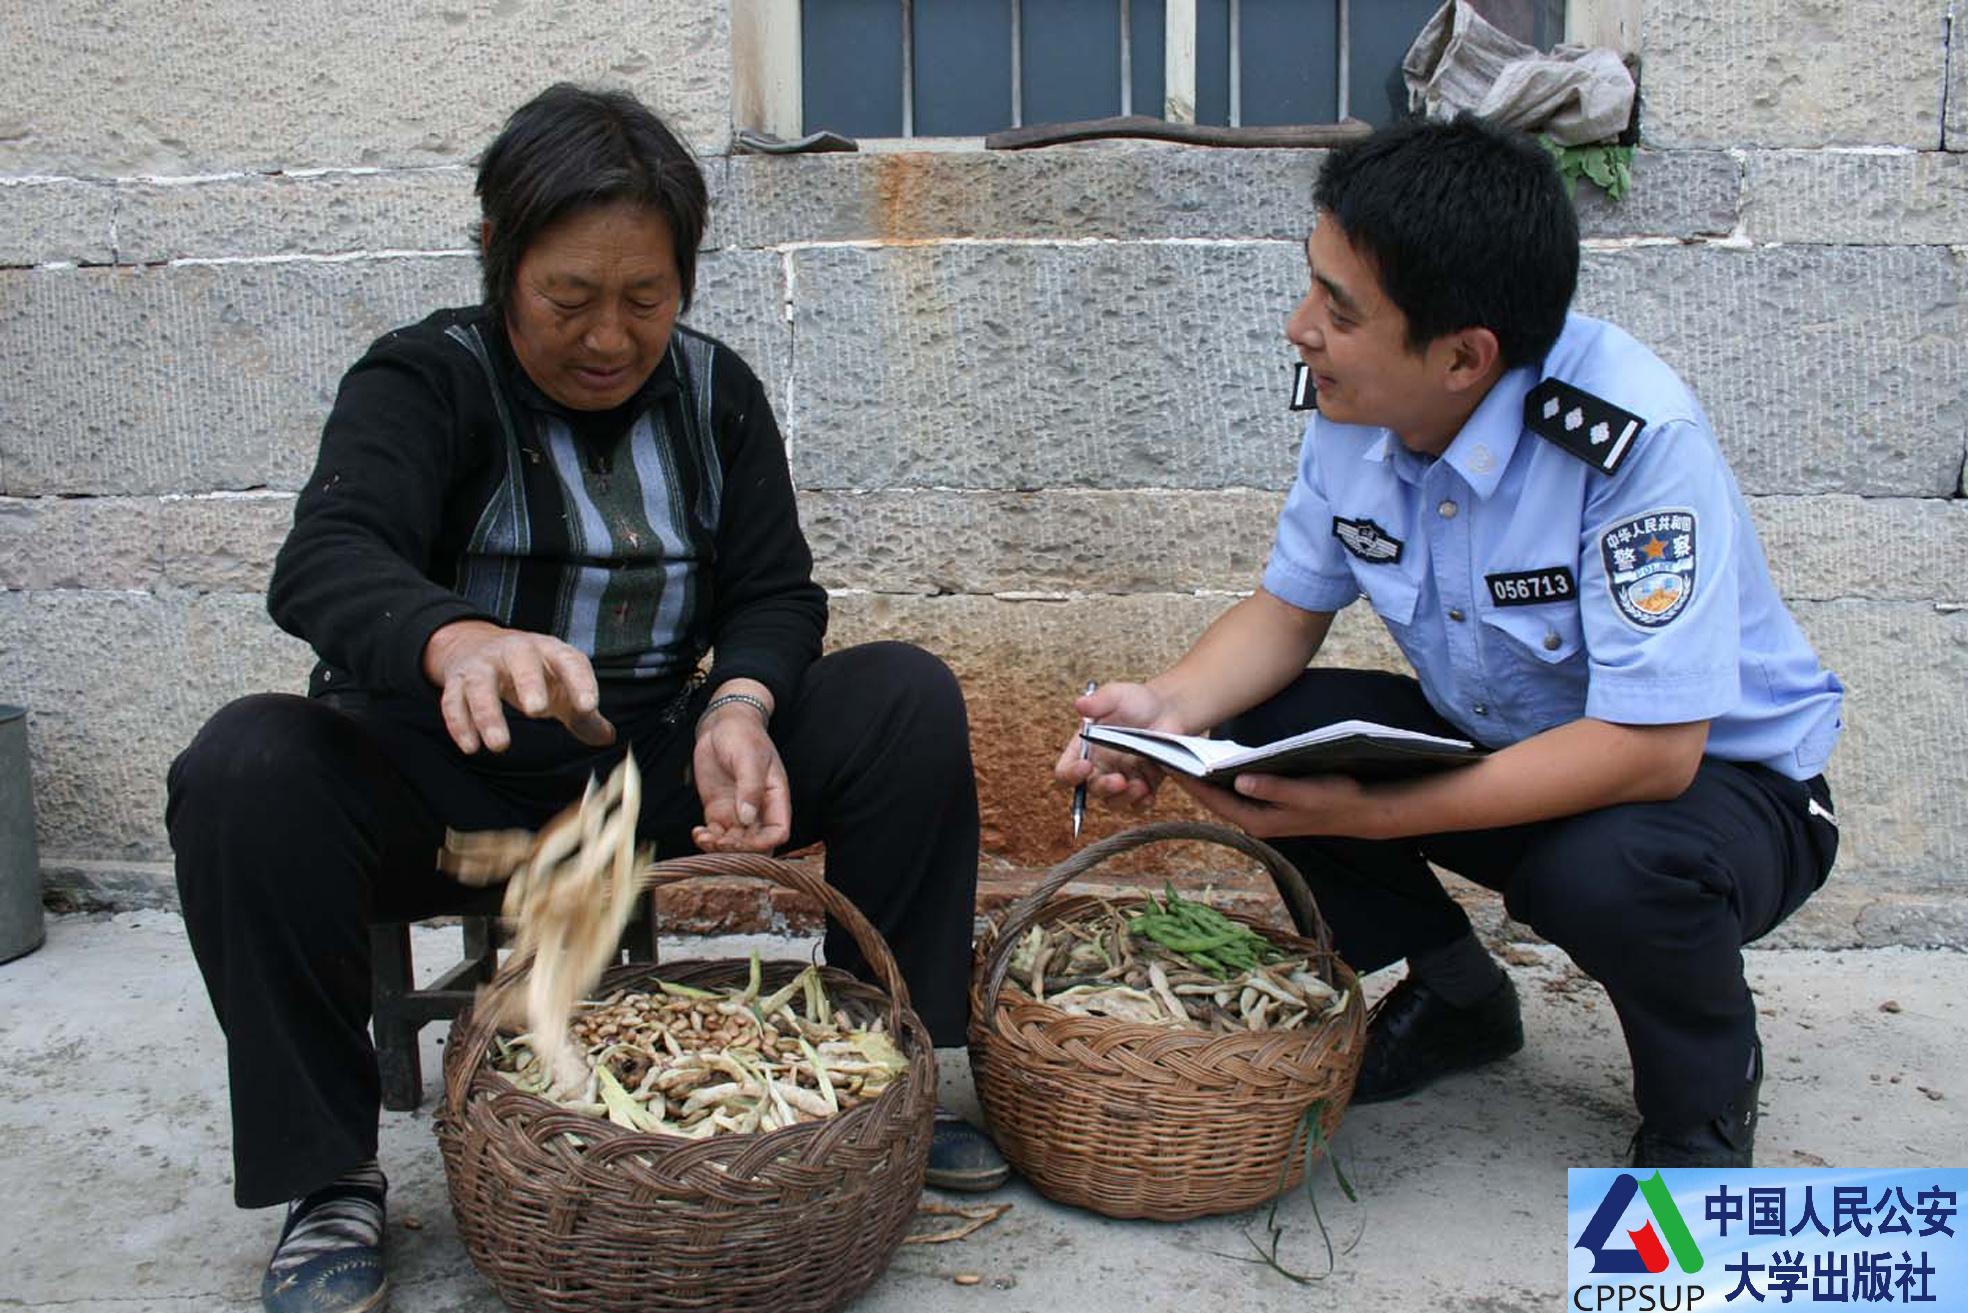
(115, 685)
(789, 911)
(199, 377)
(223, 543)
(1899, 774)
(1932, 922)
(1823, 369)
(1224, 879)
(45, 222)
(244, 85)
(1956, 137)
(324, 214)
(1150, 540)
(204, 544)
(713, 904)
(1915, 549)
(1682, 193)
(96, 542)
(1785, 73)
(1021, 662)
(1028, 367)
(83, 886)
(1018, 367)
(1854, 199)
(1158, 541)
(741, 301)
(1837, 917)
(194, 377)
(1105, 189)
(1125, 190)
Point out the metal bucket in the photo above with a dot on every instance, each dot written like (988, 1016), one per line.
(21, 928)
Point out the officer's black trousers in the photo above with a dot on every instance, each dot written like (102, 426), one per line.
(1653, 900)
(296, 822)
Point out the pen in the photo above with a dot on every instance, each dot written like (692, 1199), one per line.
(1086, 750)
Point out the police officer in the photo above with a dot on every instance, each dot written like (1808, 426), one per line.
(1537, 509)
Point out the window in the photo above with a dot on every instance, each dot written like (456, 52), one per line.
(966, 68)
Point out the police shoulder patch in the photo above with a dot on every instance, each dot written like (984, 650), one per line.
(1650, 565)
(1304, 395)
(1588, 427)
(1367, 540)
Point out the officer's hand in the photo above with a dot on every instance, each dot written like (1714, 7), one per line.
(482, 668)
(1273, 807)
(1119, 779)
(748, 805)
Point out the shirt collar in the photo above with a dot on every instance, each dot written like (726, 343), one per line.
(662, 380)
(1483, 449)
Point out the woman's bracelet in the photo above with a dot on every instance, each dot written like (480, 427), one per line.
(726, 699)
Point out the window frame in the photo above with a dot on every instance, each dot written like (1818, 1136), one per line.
(766, 72)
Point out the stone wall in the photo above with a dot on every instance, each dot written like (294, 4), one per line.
(1035, 402)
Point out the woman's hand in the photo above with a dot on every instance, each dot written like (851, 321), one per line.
(482, 668)
(748, 805)
(1120, 779)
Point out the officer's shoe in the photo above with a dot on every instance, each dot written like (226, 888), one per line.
(962, 1157)
(1415, 1037)
(1727, 1139)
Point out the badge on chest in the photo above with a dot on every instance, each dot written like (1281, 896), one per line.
(1554, 583)
(1367, 540)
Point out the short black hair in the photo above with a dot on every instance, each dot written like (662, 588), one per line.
(1468, 224)
(576, 148)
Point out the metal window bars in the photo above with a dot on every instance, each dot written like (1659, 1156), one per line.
(1180, 43)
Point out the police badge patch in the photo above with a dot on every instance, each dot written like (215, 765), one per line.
(1367, 540)
(1650, 565)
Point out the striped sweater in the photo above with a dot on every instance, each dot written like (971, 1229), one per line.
(449, 487)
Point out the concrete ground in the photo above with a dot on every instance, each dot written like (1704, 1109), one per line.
(117, 1191)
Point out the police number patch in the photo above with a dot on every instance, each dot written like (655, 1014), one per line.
(1650, 565)
(1367, 540)
(1554, 583)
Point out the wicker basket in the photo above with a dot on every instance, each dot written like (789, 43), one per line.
(1135, 1120)
(801, 1218)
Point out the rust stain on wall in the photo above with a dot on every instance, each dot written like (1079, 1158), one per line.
(1026, 813)
(899, 185)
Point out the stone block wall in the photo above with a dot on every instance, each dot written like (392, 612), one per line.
(1034, 401)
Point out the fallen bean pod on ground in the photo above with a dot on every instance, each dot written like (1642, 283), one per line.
(693, 1062)
(1174, 963)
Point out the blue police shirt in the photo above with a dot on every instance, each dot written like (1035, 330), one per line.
(1529, 589)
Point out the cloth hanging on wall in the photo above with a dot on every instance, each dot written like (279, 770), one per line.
(1461, 61)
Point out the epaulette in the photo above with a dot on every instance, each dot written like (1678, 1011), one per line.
(1590, 428)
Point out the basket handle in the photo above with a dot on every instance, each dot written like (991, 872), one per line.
(1291, 887)
(874, 950)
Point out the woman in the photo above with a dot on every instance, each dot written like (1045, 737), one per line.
(555, 503)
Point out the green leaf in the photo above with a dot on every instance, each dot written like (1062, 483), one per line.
(1315, 1141)
(1606, 166)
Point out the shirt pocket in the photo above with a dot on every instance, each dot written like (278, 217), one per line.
(1536, 656)
(1545, 635)
(1391, 593)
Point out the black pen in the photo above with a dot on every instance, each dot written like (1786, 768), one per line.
(1086, 750)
